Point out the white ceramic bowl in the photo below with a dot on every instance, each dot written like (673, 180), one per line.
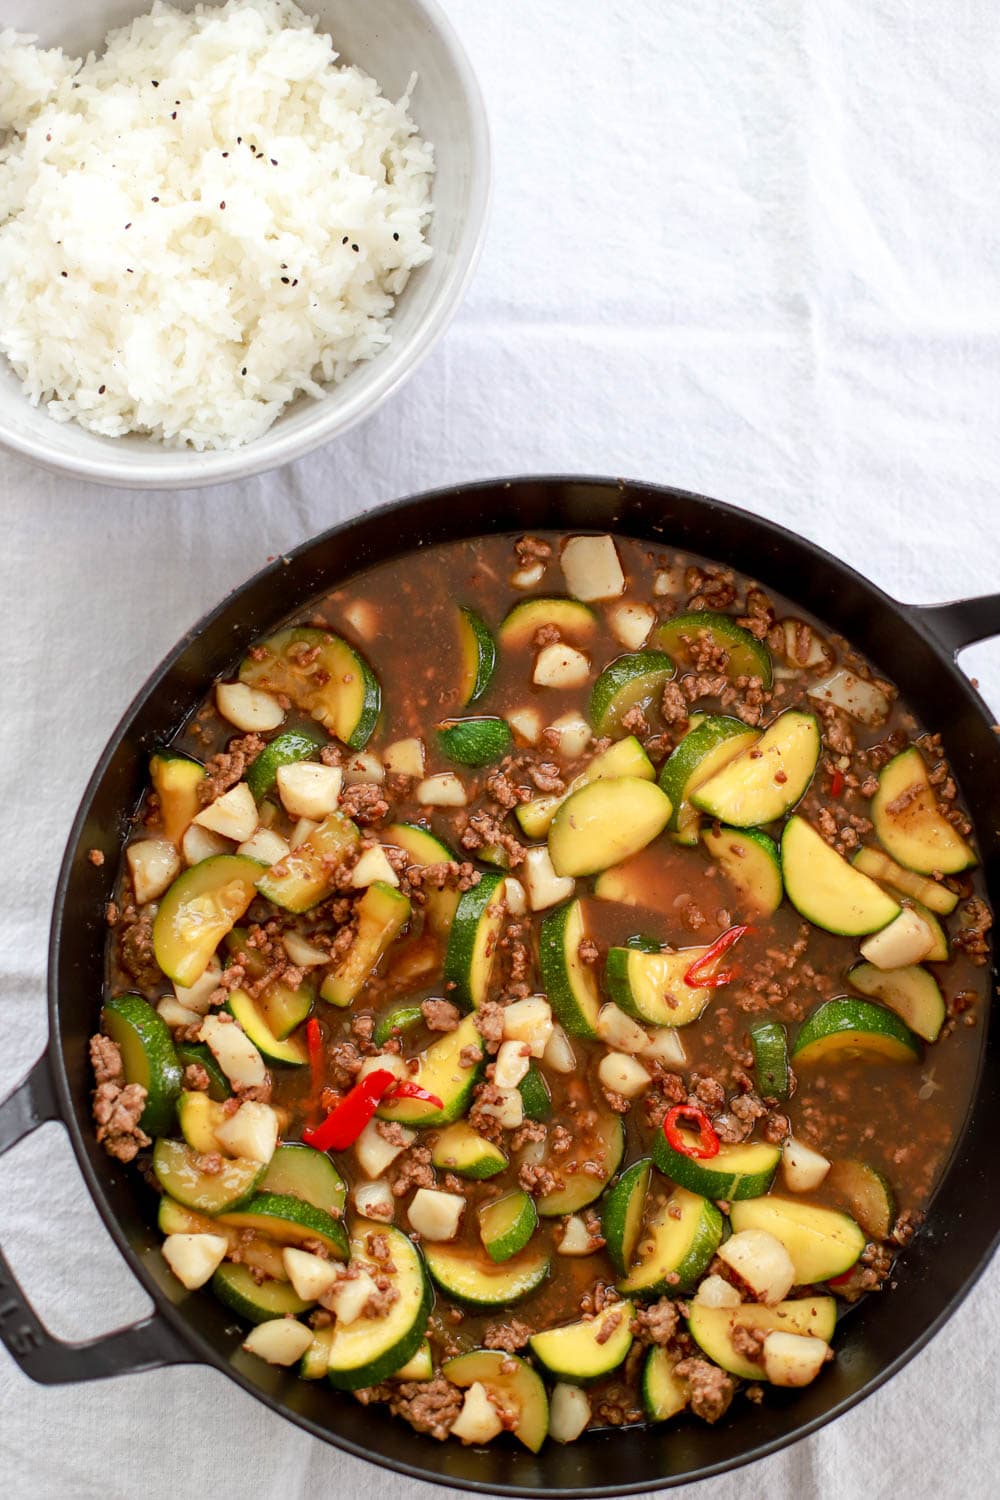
(390, 39)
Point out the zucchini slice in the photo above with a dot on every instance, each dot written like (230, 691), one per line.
(930, 893)
(303, 876)
(516, 1386)
(472, 941)
(663, 1395)
(459, 1149)
(299, 1171)
(570, 984)
(913, 993)
(398, 1021)
(199, 1116)
(507, 1224)
(283, 1008)
(770, 1059)
(284, 750)
(651, 986)
(323, 676)
(535, 1095)
(256, 1251)
(235, 1286)
(584, 1351)
(712, 1328)
(822, 1242)
(909, 822)
(176, 779)
(765, 781)
(177, 1172)
(624, 1208)
(291, 1221)
(425, 848)
(751, 863)
(441, 1072)
(734, 1172)
(371, 1349)
(633, 681)
(189, 1053)
(198, 910)
(290, 1053)
(420, 1367)
(605, 822)
(382, 913)
(148, 1058)
(479, 656)
(624, 758)
(850, 1029)
(314, 1362)
(474, 742)
(675, 1247)
(828, 891)
(748, 657)
(708, 746)
(867, 1195)
(475, 1281)
(573, 620)
(605, 1148)
(941, 951)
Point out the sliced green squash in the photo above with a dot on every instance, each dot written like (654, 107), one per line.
(442, 1073)
(822, 1242)
(515, 1385)
(663, 1395)
(473, 940)
(605, 822)
(765, 781)
(291, 1221)
(199, 1117)
(176, 779)
(236, 1286)
(369, 1350)
(913, 993)
(622, 1218)
(323, 676)
(588, 1349)
(148, 1058)
(299, 1171)
(734, 1172)
(581, 1188)
(675, 1246)
(570, 984)
(770, 1059)
(396, 1022)
(506, 1224)
(286, 749)
(573, 620)
(305, 875)
(636, 680)
(828, 891)
(476, 1281)
(313, 1364)
(459, 1149)
(478, 655)
(535, 1095)
(930, 893)
(712, 1328)
(709, 745)
(425, 848)
(197, 912)
(867, 1195)
(910, 824)
(748, 657)
(178, 1173)
(651, 986)
(382, 913)
(848, 1029)
(751, 863)
(474, 742)
(290, 1053)
(624, 758)
(197, 1054)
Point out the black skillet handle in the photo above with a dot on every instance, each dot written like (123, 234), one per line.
(144, 1346)
(963, 621)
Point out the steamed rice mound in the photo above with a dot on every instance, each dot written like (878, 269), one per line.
(201, 223)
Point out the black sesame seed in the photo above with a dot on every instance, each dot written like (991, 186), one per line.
(224, 155)
(174, 115)
(156, 83)
(154, 200)
(223, 203)
(64, 273)
(344, 240)
(284, 280)
(101, 390)
(273, 162)
(395, 236)
(355, 249)
(128, 226)
(244, 370)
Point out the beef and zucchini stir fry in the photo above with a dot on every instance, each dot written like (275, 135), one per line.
(543, 987)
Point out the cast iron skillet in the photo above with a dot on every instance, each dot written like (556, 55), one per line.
(914, 646)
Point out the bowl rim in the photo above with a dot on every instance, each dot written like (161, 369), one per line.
(185, 468)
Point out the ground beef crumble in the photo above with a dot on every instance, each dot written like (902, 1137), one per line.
(439, 1015)
(228, 767)
(507, 1336)
(429, 1406)
(710, 1389)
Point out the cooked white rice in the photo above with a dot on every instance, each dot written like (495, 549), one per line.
(201, 223)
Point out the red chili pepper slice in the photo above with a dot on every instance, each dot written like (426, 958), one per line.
(407, 1090)
(842, 1279)
(694, 976)
(836, 783)
(345, 1123)
(708, 1141)
(314, 1043)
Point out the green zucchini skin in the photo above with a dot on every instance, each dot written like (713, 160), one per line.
(479, 653)
(570, 985)
(196, 1053)
(634, 680)
(472, 942)
(235, 1286)
(623, 1212)
(736, 1172)
(748, 657)
(474, 742)
(770, 1054)
(148, 1057)
(284, 750)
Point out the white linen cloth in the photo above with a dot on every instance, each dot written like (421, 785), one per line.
(751, 249)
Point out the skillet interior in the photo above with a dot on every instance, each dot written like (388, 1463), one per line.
(965, 1218)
